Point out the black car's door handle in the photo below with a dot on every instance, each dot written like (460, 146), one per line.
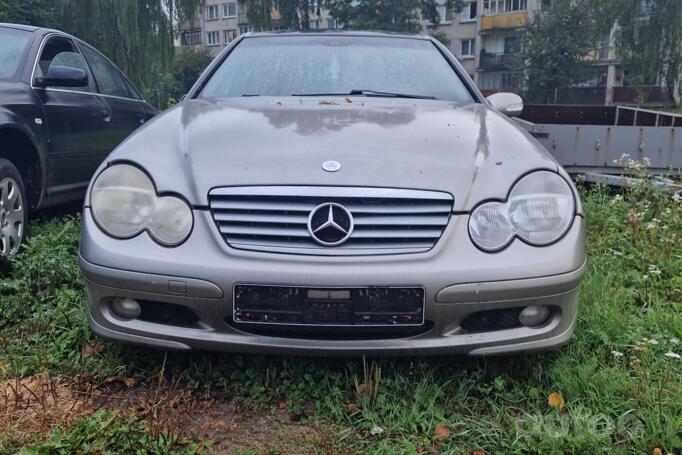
(106, 116)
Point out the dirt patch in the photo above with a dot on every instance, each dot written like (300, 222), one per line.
(232, 430)
(32, 407)
(37, 403)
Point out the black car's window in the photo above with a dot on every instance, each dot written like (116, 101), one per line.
(61, 51)
(13, 47)
(314, 64)
(131, 89)
(109, 80)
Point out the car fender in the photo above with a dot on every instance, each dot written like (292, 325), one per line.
(28, 120)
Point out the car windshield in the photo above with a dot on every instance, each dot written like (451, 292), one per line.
(336, 65)
(13, 44)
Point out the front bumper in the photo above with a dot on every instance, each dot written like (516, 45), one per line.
(458, 280)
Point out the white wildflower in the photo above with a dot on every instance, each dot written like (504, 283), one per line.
(677, 197)
(617, 354)
(617, 198)
(672, 355)
(652, 341)
(376, 429)
(654, 270)
(675, 340)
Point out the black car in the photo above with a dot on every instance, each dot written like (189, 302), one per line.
(63, 108)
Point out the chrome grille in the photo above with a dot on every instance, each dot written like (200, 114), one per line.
(274, 218)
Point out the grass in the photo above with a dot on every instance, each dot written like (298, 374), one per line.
(620, 392)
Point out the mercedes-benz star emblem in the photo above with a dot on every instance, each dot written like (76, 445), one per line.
(330, 224)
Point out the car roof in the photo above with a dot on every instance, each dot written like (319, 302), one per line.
(365, 33)
(27, 28)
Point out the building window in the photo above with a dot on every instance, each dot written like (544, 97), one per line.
(515, 5)
(512, 45)
(245, 29)
(229, 10)
(493, 6)
(190, 38)
(469, 12)
(444, 14)
(504, 6)
(229, 36)
(467, 48)
(331, 24)
(211, 12)
(313, 25)
(213, 38)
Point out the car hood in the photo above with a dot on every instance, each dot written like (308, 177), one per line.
(470, 151)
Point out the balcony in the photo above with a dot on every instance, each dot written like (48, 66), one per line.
(496, 62)
(506, 21)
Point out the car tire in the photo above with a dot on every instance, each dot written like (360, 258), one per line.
(13, 209)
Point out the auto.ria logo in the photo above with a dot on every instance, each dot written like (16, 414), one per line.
(330, 224)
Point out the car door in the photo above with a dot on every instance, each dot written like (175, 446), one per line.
(77, 120)
(127, 113)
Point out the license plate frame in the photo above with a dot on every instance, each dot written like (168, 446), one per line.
(411, 314)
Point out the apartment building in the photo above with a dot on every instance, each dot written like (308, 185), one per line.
(218, 22)
(487, 38)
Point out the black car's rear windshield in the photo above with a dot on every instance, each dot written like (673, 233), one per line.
(13, 46)
(315, 64)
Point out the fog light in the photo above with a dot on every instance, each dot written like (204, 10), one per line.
(126, 308)
(533, 316)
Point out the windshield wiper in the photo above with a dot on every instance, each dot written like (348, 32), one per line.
(390, 94)
(374, 93)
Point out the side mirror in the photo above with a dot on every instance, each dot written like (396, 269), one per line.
(509, 104)
(62, 76)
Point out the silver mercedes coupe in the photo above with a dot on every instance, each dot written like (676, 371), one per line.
(343, 193)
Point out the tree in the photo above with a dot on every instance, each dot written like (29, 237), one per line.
(188, 66)
(556, 46)
(648, 38)
(292, 14)
(137, 35)
(29, 12)
(390, 15)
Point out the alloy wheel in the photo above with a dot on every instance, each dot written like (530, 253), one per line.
(11, 217)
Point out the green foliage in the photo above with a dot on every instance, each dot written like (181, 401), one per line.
(391, 15)
(29, 12)
(293, 14)
(442, 37)
(555, 47)
(110, 433)
(648, 38)
(188, 65)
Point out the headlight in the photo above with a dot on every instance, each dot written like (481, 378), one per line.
(124, 203)
(539, 210)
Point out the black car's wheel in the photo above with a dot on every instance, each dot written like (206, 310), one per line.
(13, 209)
